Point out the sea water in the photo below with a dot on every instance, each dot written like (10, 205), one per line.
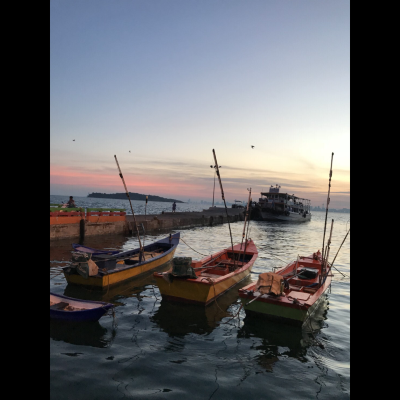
(160, 350)
(139, 206)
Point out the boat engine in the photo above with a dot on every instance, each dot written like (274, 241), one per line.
(84, 264)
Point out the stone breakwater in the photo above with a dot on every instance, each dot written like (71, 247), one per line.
(160, 223)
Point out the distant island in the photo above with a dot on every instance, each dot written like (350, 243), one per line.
(133, 196)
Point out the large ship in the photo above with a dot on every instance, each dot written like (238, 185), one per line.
(276, 206)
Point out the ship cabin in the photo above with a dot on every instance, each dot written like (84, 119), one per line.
(283, 202)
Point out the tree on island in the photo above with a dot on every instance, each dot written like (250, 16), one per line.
(133, 196)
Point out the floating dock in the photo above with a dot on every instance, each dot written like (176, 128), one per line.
(77, 223)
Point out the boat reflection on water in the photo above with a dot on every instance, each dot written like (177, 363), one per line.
(313, 325)
(81, 333)
(277, 339)
(180, 319)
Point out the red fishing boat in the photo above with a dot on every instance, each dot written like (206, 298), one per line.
(201, 282)
(290, 294)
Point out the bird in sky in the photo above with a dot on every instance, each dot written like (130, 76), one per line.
(129, 151)
(73, 140)
(252, 147)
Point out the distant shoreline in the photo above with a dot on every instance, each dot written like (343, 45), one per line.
(133, 196)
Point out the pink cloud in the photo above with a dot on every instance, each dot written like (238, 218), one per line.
(164, 182)
(112, 182)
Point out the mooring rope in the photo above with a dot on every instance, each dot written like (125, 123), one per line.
(154, 292)
(59, 273)
(206, 255)
(234, 315)
(111, 313)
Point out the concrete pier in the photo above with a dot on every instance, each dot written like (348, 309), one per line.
(159, 223)
(182, 220)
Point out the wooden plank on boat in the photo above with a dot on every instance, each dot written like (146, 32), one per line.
(299, 295)
(210, 275)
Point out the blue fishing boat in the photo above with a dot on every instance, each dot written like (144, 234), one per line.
(70, 309)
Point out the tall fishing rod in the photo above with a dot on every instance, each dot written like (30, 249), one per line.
(324, 271)
(141, 255)
(244, 227)
(223, 198)
(248, 223)
(327, 206)
(145, 209)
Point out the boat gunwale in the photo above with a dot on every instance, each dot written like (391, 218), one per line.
(100, 304)
(203, 280)
(278, 301)
(128, 253)
(284, 300)
(201, 303)
(101, 274)
(159, 257)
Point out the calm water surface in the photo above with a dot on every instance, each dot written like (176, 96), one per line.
(161, 350)
(139, 207)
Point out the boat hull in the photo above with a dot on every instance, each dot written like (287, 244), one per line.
(117, 276)
(96, 309)
(280, 312)
(292, 217)
(194, 292)
(103, 282)
(204, 290)
(295, 305)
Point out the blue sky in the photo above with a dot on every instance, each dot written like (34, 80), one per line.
(171, 80)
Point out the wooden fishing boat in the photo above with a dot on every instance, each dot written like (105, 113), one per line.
(70, 309)
(201, 282)
(91, 250)
(103, 270)
(292, 293)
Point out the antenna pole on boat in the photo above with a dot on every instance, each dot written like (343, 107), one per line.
(223, 198)
(248, 222)
(244, 227)
(145, 210)
(297, 264)
(134, 218)
(327, 206)
(247, 213)
(325, 259)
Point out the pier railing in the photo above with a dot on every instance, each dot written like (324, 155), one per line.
(60, 215)
(105, 215)
(66, 215)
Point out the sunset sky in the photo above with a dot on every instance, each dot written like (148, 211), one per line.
(162, 83)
